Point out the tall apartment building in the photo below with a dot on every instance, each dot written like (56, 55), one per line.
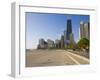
(62, 41)
(69, 28)
(84, 30)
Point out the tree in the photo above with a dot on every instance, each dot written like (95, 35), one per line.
(83, 43)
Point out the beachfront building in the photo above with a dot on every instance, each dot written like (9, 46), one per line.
(50, 43)
(42, 44)
(57, 43)
(84, 30)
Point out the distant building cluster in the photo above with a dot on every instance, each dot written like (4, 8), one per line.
(67, 38)
(46, 44)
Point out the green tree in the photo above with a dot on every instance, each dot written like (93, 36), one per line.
(83, 43)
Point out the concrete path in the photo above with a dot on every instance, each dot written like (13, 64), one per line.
(53, 58)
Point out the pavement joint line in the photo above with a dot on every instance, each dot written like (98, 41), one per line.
(73, 59)
(79, 56)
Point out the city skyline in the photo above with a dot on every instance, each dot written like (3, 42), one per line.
(50, 26)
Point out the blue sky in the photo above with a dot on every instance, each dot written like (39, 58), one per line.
(50, 26)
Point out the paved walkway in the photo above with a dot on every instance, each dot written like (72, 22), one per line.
(53, 58)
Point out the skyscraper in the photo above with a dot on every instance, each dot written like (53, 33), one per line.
(65, 37)
(71, 38)
(84, 30)
(69, 28)
(72, 41)
(62, 41)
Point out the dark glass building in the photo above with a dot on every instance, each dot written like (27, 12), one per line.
(69, 28)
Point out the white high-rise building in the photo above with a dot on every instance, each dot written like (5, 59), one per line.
(84, 30)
